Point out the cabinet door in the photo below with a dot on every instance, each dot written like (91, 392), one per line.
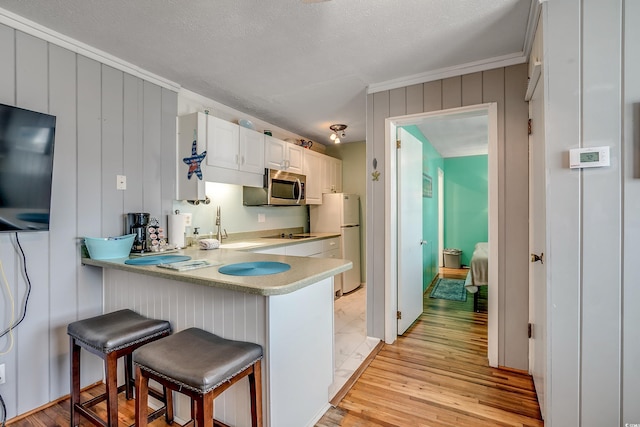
(337, 175)
(191, 128)
(313, 171)
(251, 151)
(222, 143)
(294, 158)
(327, 174)
(274, 153)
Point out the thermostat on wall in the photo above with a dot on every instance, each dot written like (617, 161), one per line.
(592, 157)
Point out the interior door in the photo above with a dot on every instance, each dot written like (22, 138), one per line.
(537, 245)
(410, 241)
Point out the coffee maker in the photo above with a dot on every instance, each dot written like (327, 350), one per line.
(137, 223)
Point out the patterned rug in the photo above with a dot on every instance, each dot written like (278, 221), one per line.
(449, 289)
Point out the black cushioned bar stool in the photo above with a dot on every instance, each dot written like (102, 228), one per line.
(200, 365)
(111, 336)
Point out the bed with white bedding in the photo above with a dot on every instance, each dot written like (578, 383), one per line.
(478, 270)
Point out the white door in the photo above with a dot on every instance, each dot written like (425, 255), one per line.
(409, 230)
(537, 244)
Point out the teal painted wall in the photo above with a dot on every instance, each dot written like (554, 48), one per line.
(431, 161)
(466, 203)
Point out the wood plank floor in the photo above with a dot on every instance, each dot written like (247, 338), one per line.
(437, 374)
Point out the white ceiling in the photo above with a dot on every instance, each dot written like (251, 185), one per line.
(458, 135)
(299, 65)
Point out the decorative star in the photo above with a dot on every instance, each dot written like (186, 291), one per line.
(194, 161)
(375, 176)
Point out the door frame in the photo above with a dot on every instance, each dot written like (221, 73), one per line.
(391, 237)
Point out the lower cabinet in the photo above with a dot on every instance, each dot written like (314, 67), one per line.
(327, 248)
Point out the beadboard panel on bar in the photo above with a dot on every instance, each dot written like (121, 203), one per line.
(108, 123)
(223, 312)
(505, 86)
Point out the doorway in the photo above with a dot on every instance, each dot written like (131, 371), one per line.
(391, 233)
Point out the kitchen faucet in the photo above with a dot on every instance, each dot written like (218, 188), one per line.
(219, 235)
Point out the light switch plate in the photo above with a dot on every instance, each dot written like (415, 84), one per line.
(261, 217)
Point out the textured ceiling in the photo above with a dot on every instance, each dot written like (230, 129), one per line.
(296, 64)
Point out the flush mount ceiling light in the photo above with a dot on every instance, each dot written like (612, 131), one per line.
(338, 132)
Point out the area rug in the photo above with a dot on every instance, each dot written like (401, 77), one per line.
(449, 289)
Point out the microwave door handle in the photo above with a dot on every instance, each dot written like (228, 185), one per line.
(299, 191)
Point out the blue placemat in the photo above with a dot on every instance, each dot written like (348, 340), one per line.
(158, 259)
(258, 268)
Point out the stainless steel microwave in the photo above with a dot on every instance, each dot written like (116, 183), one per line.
(281, 188)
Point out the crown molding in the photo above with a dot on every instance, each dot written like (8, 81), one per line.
(532, 25)
(443, 73)
(20, 23)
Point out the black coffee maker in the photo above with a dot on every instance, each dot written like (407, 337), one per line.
(137, 223)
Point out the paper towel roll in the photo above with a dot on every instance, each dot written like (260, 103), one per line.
(177, 230)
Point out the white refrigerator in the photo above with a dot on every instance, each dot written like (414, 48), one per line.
(340, 213)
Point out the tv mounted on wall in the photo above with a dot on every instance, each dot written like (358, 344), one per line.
(26, 168)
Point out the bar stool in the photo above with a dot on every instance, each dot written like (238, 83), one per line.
(200, 365)
(111, 336)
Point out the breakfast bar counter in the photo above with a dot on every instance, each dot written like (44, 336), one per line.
(304, 271)
(290, 314)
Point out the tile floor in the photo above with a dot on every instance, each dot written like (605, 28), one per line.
(352, 346)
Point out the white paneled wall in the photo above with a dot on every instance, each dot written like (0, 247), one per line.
(108, 123)
(506, 87)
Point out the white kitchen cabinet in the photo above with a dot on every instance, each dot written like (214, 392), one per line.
(331, 175)
(331, 249)
(313, 170)
(233, 147)
(251, 151)
(223, 143)
(192, 137)
(234, 155)
(282, 155)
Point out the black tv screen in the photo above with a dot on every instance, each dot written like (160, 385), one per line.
(26, 168)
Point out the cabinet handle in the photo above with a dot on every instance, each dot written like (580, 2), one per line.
(242, 160)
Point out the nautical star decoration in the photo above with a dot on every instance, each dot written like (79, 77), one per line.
(195, 160)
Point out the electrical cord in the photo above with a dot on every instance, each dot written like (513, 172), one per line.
(26, 300)
(4, 412)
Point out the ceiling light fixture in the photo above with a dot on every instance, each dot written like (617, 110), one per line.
(338, 132)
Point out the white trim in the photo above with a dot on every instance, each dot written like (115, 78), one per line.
(443, 73)
(532, 26)
(20, 23)
(533, 80)
(391, 244)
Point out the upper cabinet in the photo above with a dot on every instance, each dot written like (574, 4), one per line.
(313, 170)
(282, 155)
(233, 147)
(191, 169)
(331, 175)
(234, 155)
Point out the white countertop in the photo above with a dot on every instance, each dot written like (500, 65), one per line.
(304, 270)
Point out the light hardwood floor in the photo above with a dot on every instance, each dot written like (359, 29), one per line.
(436, 374)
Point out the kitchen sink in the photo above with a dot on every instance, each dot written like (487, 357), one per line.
(287, 236)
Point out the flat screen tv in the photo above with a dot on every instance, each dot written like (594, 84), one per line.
(26, 169)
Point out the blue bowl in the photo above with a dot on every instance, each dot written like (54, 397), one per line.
(109, 247)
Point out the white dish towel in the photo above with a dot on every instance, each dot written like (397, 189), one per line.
(209, 243)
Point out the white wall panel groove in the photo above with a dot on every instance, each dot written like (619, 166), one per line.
(105, 121)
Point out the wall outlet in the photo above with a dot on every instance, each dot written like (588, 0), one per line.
(261, 217)
(121, 182)
(3, 379)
